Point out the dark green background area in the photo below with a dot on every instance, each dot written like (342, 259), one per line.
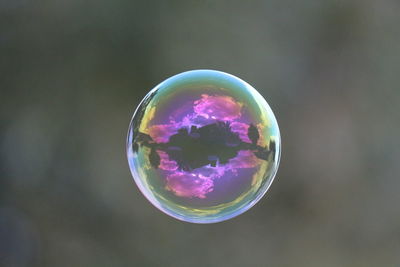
(72, 73)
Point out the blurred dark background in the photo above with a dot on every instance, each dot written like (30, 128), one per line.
(72, 73)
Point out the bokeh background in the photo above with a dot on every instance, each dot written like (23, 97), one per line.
(72, 73)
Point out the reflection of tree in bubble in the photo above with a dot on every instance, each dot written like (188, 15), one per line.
(207, 145)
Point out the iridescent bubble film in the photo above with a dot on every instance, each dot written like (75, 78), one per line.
(203, 146)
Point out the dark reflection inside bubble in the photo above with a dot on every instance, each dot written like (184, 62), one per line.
(213, 144)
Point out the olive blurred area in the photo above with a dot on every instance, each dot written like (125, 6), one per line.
(73, 72)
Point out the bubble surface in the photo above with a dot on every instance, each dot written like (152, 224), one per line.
(203, 146)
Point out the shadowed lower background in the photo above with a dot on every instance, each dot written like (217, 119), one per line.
(73, 72)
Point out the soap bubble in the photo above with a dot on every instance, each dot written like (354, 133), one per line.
(203, 146)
